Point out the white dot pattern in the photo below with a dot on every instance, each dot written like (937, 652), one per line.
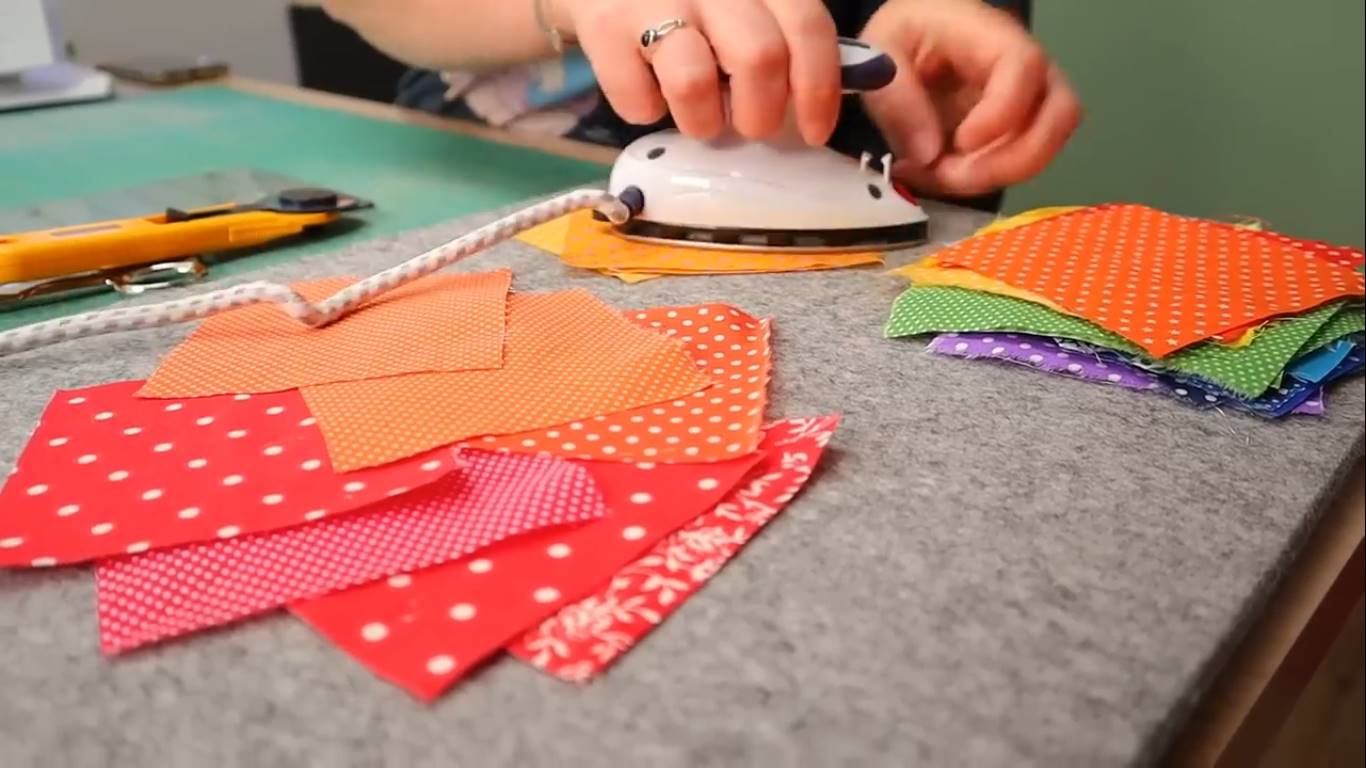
(675, 431)
(143, 482)
(1247, 370)
(1162, 281)
(436, 323)
(166, 593)
(569, 356)
(502, 599)
(583, 638)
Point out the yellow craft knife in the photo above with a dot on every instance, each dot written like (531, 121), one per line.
(166, 237)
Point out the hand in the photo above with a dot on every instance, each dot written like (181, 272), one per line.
(976, 105)
(774, 52)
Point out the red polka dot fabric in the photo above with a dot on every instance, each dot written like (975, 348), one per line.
(584, 638)
(107, 473)
(720, 422)
(427, 629)
(437, 323)
(1162, 281)
(494, 496)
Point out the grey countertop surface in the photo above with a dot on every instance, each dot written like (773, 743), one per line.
(994, 567)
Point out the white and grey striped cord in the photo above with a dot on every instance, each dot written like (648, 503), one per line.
(316, 315)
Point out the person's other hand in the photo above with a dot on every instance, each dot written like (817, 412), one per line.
(976, 104)
(776, 53)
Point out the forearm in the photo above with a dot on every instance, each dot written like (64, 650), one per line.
(447, 34)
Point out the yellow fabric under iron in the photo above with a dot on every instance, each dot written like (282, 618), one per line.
(116, 246)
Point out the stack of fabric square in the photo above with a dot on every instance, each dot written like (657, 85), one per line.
(1215, 314)
(450, 472)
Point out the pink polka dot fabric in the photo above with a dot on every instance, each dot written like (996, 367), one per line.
(1163, 282)
(107, 473)
(427, 629)
(155, 596)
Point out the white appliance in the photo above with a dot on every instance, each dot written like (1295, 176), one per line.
(33, 73)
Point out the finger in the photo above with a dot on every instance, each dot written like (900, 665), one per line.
(1019, 157)
(688, 77)
(1011, 94)
(750, 48)
(612, 49)
(814, 65)
(906, 115)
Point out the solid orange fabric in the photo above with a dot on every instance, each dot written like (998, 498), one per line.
(569, 356)
(583, 242)
(437, 323)
(1162, 281)
(717, 423)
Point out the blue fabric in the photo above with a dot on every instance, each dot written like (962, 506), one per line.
(578, 79)
(1316, 365)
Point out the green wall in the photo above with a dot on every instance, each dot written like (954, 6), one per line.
(1213, 108)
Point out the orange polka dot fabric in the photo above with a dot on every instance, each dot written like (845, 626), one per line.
(928, 271)
(436, 323)
(720, 422)
(569, 356)
(591, 244)
(1162, 281)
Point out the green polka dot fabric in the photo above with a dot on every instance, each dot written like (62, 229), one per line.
(1248, 371)
(1350, 320)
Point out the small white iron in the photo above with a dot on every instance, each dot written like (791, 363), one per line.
(779, 194)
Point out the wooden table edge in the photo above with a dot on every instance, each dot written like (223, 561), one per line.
(1252, 695)
(1215, 732)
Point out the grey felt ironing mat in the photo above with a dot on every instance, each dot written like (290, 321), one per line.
(992, 567)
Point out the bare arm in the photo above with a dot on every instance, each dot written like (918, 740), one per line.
(447, 34)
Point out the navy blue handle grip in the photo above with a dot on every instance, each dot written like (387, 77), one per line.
(863, 67)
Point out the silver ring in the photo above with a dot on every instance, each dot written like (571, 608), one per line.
(656, 33)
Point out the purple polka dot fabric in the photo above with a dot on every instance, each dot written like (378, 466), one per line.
(1046, 355)
(1105, 367)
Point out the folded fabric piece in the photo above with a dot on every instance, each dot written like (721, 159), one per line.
(1078, 361)
(1163, 282)
(1289, 397)
(1315, 366)
(1247, 371)
(425, 630)
(437, 323)
(1044, 354)
(549, 236)
(1348, 321)
(837, 261)
(929, 272)
(588, 244)
(720, 422)
(1027, 217)
(569, 356)
(107, 473)
(583, 639)
(158, 595)
(1342, 256)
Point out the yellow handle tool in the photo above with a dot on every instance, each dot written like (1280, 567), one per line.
(175, 234)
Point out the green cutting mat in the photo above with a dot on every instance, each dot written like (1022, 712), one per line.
(416, 176)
